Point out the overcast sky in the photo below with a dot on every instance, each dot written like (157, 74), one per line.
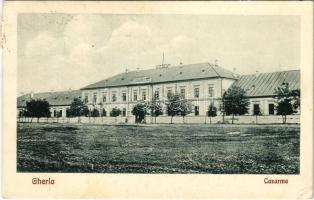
(58, 52)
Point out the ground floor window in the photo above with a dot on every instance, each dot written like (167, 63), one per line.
(124, 112)
(197, 110)
(104, 113)
(271, 109)
(256, 109)
(55, 113)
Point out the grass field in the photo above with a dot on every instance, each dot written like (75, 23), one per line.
(216, 149)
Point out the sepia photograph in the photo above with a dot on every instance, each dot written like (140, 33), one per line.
(157, 99)
(158, 94)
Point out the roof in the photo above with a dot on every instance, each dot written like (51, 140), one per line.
(165, 74)
(54, 98)
(264, 84)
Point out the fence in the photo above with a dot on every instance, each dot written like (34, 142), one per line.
(245, 119)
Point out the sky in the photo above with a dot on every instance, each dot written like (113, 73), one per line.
(59, 52)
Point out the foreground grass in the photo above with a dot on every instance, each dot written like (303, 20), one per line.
(217, 149)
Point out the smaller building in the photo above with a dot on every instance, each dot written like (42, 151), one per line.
(260, 88)
(59, 101)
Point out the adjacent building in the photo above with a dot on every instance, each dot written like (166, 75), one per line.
(59, 101)
(260, 88)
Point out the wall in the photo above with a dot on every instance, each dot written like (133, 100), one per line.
(203, 101)
(247, 119)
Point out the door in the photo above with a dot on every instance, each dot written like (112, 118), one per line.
(271, 109)
(196, 109)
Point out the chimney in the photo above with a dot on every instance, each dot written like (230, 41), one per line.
(234, 70)
(32, 94)
(256, 73)
(137, 69)
(126, 70)
(216, 62)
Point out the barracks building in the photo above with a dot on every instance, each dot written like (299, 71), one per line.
(202, 84)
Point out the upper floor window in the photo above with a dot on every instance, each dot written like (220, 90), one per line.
(169, 92)
(123, 96)
(211, 91)
(114, 97)
(196, 92)
(86, 98)
(104, 98)
(182, 92)
(95, 98)
(157, 94)
(144, 95)
(135, 95)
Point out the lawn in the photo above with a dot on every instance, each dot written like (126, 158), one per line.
(214, 149)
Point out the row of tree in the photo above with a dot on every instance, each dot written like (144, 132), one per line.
(234, 102)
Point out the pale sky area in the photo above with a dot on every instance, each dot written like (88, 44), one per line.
(58, 52)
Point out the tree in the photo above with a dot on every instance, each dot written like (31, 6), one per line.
(94, 113)
(287, 101)
(212, 112)
(177, 105)
(235, 101)
(115, 112)
(103, 112)
(256, 112)
(37, 108)
(155, 107)
(77, 109)
(140, 110)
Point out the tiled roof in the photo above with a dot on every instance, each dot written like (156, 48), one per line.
(169, 74)
(54, 98)
(264, 84)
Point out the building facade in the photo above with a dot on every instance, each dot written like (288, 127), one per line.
(203, 84)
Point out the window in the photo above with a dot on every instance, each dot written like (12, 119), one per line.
(256, 109)
(95, 98)
(124, 112)
(169, 93)
(196, 110)
(196, 92)
(104, 98)
(271, 109)
(123, 96)
(55, 113)
(144, 95)
(60, 113)
(182, 92)
(135, 96)
(86, 98)
(114, 97)
(210, 91)
(157, 95)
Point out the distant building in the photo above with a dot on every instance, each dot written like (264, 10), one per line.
(59, 101)
(202, 83)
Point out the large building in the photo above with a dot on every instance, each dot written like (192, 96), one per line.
(202, 84)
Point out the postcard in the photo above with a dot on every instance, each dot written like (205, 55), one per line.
(157, 99)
